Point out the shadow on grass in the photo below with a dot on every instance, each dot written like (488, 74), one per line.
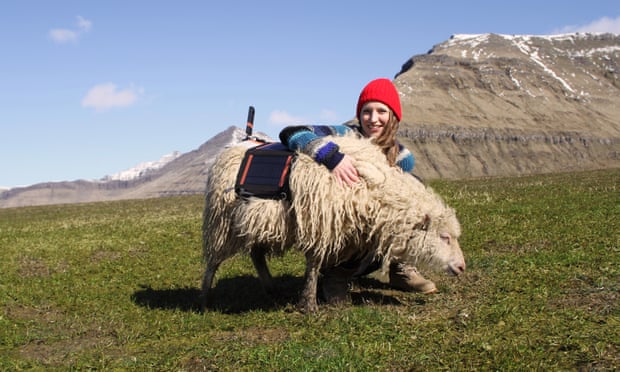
(184, 299)
(371, 291)
(244, 293)
(230, 296)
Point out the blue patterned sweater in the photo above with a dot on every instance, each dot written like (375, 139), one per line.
(310, 140)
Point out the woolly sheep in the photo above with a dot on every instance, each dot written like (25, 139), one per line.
(388, 214)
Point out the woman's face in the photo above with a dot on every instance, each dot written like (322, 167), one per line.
(374, 116)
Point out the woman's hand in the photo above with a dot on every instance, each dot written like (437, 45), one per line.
(345, 172)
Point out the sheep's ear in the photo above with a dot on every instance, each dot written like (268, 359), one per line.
(426, 222)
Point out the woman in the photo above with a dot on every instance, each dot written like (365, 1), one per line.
(378, 115)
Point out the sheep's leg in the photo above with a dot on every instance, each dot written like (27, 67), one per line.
(336, 284)
(307, 302)
(207, 281)
(258, 254)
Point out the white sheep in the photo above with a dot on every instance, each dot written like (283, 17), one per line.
(388, 215)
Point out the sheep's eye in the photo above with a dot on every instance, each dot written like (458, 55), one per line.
(445, 236)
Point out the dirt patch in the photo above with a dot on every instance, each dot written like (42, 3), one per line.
(601, 301)
(25, 313)
(102, 256)
(56, 346)
(200, 364)
(248, 336)
(30, 267)
(33, 267)
(254, 335)
(64, 351)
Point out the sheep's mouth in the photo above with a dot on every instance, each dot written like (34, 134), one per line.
(455, 270)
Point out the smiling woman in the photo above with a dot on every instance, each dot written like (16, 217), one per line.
(378, 112)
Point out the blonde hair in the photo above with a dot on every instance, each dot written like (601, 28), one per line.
(387, 140)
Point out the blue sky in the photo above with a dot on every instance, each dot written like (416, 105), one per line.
(90, 88)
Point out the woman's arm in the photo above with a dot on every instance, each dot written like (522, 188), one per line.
(311, 140)
(405, 159)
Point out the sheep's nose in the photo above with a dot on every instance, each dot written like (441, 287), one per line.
(458, 268)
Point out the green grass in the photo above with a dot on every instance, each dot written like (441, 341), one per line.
(114, 286)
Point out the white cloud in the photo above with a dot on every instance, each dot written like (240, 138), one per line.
(64, 35)
(279, 117)
(602, 25)
(103, 97)
(84, 24)
(329, 116)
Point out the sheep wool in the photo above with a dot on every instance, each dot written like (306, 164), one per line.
(389, 214)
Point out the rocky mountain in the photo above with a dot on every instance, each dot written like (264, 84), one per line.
(143, 169)
(474, 105)
(181, 174)
(488, 105)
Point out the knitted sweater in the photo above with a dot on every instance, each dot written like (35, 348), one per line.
(311, 141)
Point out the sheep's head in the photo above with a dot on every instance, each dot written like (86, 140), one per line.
(442, 242)
(434, 243)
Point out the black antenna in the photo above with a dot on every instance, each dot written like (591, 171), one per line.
(250, 125)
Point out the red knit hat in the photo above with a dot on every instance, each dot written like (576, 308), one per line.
(381, 90)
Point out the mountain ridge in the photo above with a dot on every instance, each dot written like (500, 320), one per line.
(512, 104)
(185, 174)
(509, 76)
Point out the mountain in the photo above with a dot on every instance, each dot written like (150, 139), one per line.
(501, 105)
(143, 169)
(474, 105)
(175, 174)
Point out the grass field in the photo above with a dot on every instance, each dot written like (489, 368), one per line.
(114, 286)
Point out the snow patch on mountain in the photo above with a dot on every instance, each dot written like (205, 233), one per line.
(475, 46)
(142, 169)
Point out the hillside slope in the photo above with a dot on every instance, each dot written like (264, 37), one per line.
(489, 104)
(185, 174)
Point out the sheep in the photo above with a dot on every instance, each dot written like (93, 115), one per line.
(389, 215)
